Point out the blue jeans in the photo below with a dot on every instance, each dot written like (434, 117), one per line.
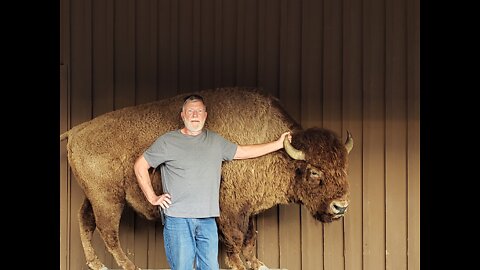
(191, 239)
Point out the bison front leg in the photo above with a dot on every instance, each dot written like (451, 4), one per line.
(232, 233)
(248, 248)
(87, 225)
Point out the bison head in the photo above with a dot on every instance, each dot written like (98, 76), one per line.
(321, 172)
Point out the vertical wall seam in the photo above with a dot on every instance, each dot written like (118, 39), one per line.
(362, 42)
(113, 54)
(69, 123)
(91, 61)
(135, 57)
(407, 96)
(385, 132)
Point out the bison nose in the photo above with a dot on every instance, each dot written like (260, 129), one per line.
(339, 207)
(341, 210)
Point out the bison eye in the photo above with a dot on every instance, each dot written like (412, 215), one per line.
(316, 175)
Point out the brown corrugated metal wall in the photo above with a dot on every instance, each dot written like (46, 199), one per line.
(344, 65)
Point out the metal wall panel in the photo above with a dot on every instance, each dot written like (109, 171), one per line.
(343, 65)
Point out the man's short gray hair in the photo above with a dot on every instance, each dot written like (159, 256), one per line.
(193, 97)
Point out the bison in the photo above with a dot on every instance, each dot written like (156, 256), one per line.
(311, 170)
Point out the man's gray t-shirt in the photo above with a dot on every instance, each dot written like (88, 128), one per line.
(191, 171)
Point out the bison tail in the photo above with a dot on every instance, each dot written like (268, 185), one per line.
(73, 130)
(64, 136)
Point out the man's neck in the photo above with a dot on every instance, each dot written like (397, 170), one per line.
(186, 131)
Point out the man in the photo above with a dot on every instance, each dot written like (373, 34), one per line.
(191, 160)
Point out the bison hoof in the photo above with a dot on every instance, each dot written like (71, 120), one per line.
(96, 265)
(263, 267)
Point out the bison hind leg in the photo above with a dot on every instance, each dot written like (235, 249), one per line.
(87, 225)
(108, 216)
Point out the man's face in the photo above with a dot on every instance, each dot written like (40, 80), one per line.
(194, 115)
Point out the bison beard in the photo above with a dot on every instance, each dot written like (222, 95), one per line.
(102, 151)
(324, 217)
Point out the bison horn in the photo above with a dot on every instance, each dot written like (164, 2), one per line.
(291, 151)
(349, 142)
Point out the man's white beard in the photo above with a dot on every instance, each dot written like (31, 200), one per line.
(194, 128)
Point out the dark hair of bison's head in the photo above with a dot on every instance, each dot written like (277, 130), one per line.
(321, 180)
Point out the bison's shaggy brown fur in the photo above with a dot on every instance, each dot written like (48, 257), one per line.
(102, 151)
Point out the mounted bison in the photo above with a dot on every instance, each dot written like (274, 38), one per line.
(310, 171)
